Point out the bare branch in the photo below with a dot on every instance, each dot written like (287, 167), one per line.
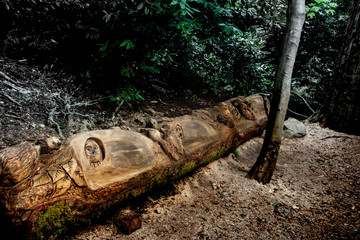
(51, 119)
(11, 99)
(337, 136)
(299, 114)
(12, 116)
(116, 110)
(7, 77)
(302, 98)
(62, 106)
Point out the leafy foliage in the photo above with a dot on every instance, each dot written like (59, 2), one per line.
(129, 93)
(230, 47)
(318, 54)
(203, 40)
(321, 7)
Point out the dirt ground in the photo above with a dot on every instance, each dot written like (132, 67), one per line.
(314, 193)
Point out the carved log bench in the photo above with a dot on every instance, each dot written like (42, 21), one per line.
(95, 170)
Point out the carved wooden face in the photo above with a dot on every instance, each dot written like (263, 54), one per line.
(93, 152)
(179, 131)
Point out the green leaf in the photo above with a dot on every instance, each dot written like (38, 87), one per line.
(107, 16)
(315, 9)
(127, 72)
(128, 44)
(140, 6)
(104, 46)
(311, 15)
(129, 93)
(150, 69)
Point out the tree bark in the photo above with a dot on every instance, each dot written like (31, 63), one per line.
(94, 171)
(342, 112)
(264, 167)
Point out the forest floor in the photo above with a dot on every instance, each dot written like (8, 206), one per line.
(314, 193)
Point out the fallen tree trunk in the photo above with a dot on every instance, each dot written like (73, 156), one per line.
(93, 171)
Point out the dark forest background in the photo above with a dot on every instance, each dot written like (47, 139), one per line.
(224, 48)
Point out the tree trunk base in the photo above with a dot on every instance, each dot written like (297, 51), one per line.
(264, 166)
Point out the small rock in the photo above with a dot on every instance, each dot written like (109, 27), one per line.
(293, 128)
(158, 211)
(127, 221)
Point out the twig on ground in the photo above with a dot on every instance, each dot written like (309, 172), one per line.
(156, 80)
(163, 102)
(151, 200)
(51, 119)
(63, 106)
(78, 114)
(13, 84)
(36, 113)
(68, 109)
(336, 136)
(116, 110)
(11, 99)
(7, 77)
(19, 89)
(12, 116)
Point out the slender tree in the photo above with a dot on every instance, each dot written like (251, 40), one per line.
(264, 167)
(343, 109)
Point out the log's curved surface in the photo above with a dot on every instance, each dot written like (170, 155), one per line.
(95, 170)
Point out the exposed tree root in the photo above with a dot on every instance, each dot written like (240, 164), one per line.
(61, 106)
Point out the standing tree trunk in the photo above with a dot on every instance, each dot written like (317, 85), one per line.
(264, 167)
(343, 110)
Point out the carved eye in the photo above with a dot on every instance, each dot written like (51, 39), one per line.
(53, 143)
(179, 131)
(94, 147)
(88, 148)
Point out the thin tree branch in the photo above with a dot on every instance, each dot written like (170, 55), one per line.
(12, 116)
(302, 98)
(11, 99)
(116, 110)
(51, 119)
(7, 77)
(299, 114)
(336, 136)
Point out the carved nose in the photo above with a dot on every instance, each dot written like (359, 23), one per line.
(59, 143)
